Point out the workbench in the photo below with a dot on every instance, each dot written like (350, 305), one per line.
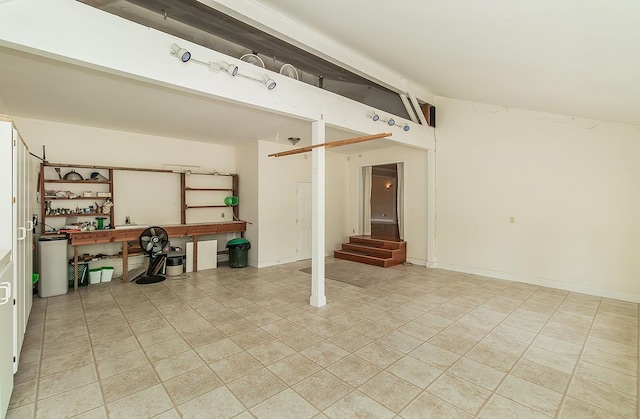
(127, 235)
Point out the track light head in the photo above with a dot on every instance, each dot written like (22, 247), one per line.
(406, 127)
(374, 116)
(268, 81)
(181, 53)
(232, 69)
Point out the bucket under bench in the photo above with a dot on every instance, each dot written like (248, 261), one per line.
(132, 234)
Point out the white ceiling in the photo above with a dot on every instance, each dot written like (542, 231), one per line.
(42, 88)
(572, 57)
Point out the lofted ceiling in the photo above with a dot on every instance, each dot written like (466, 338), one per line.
(41, 88)
(572, 57)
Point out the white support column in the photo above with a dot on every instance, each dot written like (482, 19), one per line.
(318, 298)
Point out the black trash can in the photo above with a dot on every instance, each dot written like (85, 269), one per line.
(238, 252)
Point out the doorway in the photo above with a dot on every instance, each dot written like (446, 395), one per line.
(382, 201)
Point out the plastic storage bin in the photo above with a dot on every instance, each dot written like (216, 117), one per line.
(95, 276)
(106, 274)
(238, 252)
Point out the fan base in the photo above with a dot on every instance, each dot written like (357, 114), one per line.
(150, 279)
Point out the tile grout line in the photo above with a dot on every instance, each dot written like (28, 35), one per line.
(508, 373)
(575, 367)
(142, 347)
(44, 324)
(93, 355)
(360, 301)
(115, 301)
(224, 384)
(427, 341)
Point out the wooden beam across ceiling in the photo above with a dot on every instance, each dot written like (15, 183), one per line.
(332, 144)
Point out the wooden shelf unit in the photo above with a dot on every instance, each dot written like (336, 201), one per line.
(44, 198)
(233, 190)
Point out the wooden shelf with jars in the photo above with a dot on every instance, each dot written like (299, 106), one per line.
(73, 199)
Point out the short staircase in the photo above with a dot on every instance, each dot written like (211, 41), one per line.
(377, 252)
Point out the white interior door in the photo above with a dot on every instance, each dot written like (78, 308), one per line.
(303, 220)
(6, 329)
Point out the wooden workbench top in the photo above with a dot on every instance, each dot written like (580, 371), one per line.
(175, 230)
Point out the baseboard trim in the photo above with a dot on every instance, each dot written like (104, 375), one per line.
(419, 262)
(598, 292)
(267, 263)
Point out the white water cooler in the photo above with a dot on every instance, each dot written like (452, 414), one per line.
(52, 262)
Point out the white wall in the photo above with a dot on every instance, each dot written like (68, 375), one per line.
(277, 201)
(247, 170)
(148, 198)
(415, 196)
(570, 184)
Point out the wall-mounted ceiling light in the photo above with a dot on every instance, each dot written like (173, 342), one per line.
(374, 116)
(181, 53)
(268, 81)
(405, 127)
(294, 140)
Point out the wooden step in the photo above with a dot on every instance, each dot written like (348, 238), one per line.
(383, 244)
(368, 250)
(359, 257)
(376, 252)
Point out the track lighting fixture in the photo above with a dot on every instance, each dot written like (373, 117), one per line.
(184, 55)
(268, 81)
(232, 69)
(390, 121)
(181, 53)
(229, 68)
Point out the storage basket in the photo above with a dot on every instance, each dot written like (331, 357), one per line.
(83, 279)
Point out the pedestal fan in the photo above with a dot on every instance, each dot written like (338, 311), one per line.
(154, 240)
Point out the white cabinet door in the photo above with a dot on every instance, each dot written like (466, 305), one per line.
(22, 248)
(6, 329)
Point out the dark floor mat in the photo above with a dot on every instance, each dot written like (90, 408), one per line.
(358, 274)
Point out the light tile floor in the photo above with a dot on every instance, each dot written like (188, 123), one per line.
(246, 343)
